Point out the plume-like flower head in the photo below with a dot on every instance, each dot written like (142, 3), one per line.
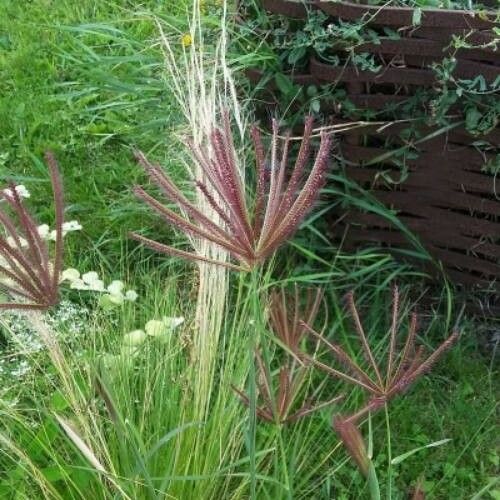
(282, 198)
(27, 270)
(287, 314)
(401, 371)
(353, 441)
(277, 403)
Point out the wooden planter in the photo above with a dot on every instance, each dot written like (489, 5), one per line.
(405, 61)
(447, 201)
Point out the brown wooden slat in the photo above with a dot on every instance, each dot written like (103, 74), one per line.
(349, 73)
(472, 248)
(449, 257)
(477, 37)
(288, 8)
(376, 101)
(466, 279)
(377, 236)
(456, 135)
(423, 219)
(469, 180)
(470, 69)
(255, 76)
(462, 261)
(403, 16)
(478, 55)
(438, 197)
(451, 222)
(467, 190)
(405, 46)
(449, 160)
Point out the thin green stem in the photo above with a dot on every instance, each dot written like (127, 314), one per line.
(256, 317)
(284, 457)
(389, 453)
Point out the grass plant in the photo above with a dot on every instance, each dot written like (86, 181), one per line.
(142, 410)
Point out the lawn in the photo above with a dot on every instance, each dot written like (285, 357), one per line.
(106, 395)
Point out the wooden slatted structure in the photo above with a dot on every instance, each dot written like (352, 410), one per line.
(405, 62)
(447, 199)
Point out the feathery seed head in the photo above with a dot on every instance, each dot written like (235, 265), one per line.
(248, 232)
(353, 441)
(27, 270)
(286, 313)
(401, 371)
(277, 403)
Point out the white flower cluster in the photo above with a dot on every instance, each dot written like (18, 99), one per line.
(45, 233)
(21, 369)
(19, 328)
(132, 341)
(67, 227)
(113, 295)
(20, 189)
(13, 368)
(44, 229)
(68, 321)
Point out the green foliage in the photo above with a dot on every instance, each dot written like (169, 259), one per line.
(94, 90)
(288, 45)
(84, 81)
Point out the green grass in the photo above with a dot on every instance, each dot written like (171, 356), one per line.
(151, 394)
(86, 79)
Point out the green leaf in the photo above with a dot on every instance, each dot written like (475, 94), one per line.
(404, 456)
(296, 55)
(312, 91)
(472, 118)
(284, 84)
(58, 402)
(373, 485)
(417, 16)
(54, 473)
(315, 106)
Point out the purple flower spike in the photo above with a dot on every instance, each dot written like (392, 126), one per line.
(249, 235)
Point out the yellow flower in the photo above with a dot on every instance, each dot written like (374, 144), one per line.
(186, 40)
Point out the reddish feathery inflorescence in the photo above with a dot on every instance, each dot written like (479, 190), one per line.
(249, 236)
(402, 370)
(276, 405)
(28, 272)
(286, 314)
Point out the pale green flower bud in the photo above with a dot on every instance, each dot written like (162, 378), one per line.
(134, 338)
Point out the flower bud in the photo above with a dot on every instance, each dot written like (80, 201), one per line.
(353, 441)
